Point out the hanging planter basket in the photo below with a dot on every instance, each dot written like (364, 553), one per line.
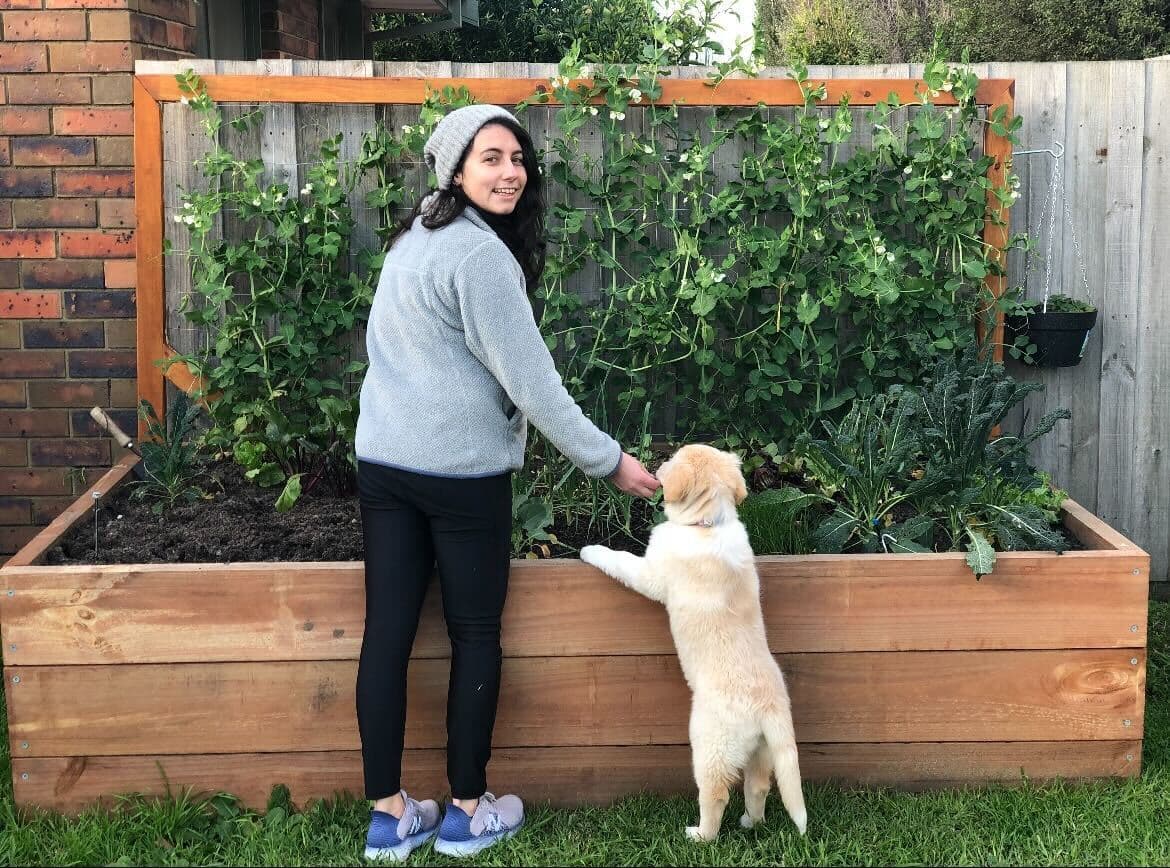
(1060, 336)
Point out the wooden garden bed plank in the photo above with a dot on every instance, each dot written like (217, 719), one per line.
(861, 697)
(827, 603)
(565, 776)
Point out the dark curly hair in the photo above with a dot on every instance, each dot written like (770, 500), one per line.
(522, 230)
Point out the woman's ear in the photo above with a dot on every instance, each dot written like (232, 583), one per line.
(677, 482)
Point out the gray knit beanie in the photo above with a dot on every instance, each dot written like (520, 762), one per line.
(453, 133)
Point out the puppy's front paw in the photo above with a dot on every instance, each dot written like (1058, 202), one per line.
(696, 835)
(594, 555)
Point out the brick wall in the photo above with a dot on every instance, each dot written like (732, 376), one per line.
(290, 29)
(67, 274)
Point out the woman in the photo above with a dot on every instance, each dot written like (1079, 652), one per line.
(457, 367)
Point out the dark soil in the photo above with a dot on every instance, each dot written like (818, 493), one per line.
(236, 521)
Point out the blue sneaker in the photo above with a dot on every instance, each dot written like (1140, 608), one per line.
(392, 839)
(495, 820)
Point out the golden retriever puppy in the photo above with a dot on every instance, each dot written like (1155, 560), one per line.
(699, 564)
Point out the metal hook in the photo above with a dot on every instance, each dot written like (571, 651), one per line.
(1043, 151)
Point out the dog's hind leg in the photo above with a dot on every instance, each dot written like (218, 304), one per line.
(782, 744)
(712, 775)
(757, 780)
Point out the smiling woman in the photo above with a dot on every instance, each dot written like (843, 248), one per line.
(457, 367)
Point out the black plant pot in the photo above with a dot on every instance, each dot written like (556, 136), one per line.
(1060, 337)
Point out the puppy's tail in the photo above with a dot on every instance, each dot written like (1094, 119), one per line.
(782, 743)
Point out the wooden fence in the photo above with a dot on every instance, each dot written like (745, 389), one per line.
(1115, 137)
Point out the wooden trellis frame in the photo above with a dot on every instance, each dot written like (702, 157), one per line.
(151, 91)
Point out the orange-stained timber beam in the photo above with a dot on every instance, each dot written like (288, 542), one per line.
(995, 234)
(509, 91)
(148, 205)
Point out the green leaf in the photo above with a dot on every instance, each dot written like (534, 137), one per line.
(980, 554)
(290, 494)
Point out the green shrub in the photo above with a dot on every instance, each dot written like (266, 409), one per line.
(778, 521)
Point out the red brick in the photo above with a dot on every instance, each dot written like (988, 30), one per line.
(20, 4)
(30, 305)
(49, 89)
(26, 183)
(43, 26)
(175, 10)
(149, 53)
(13, 453)
(50, 213)
(69, 453)
(87, 4)
(108, 26)
(121, 274)
(5, 153)
(113, 89)
(116, 214)
(26, 244)
(69, 334)
(91, 57)
(12, 394)
(182, 36)
(13, 539)
(19, 364)
(19, 121)
(123, 392)
(96, 182)
(6, 213)
(97, 244)
(45, 509)
(112, 304)
(63, 274)
(294, 25)
(68, 393)
(289, 45)
(43, 481)
(100, 121)
(15, 510)
(102, 363)
(34, 423)
(52, 151)
(10, 275)
(115, 150)
(15, 57)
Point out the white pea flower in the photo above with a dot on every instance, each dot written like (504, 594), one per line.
(947, 175)
(593, 110)
(824, 124)
(307, 189)
(189, 219)
(306, 219)
(947, 85)
(1015, 195)
(720, 277)
(330, 182)
(890, 257)
(178, 218)
(256, 202)
(818, 235)
(617, 116)
(184, 100)
(881, 248)
(647, 149)
(907, 170)
(635, 95)
(678, 43)
(688, 175)
(406, 128)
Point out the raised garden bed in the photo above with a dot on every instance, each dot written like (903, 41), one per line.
(903, 669)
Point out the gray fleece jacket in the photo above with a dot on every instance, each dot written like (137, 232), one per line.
(457, 365)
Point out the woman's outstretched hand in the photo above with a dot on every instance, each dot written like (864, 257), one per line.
(632, 478)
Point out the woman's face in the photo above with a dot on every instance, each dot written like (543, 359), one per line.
(493, 174)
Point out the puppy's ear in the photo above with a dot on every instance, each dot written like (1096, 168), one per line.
(740, 488)
(678, 483)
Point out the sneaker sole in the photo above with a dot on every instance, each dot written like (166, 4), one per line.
(475, 845)
(401, 851)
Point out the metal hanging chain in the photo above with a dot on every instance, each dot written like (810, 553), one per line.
(1055, 189)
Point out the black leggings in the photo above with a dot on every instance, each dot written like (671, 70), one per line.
(410, 522)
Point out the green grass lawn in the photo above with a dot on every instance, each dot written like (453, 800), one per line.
(1113, 823)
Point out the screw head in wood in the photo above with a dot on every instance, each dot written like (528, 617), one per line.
(16, 679)
(24, 776)
(1133, 661)
(1133, 628)
(1125, 722)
